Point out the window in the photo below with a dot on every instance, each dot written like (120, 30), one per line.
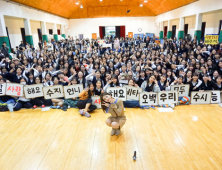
(110, 31)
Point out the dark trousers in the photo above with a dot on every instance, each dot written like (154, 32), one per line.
(39, 101)
(131, 103)
(82, 104)
(22, 104)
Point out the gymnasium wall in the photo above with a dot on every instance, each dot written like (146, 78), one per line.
(212, 14)
(212, 21)
(14, 25)
(34, 26)
(191, 21)
(14, 15)
(91, 25)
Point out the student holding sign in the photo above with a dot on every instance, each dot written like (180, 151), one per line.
(132, 103)
(112, 83)
(57, 103)
(39, 101)
(182, 99)
(116, 109)
(207, 83)
(218, 85)
(151, 85)
(70, 103)
(85, 101)
(22, 101)
(195, 83)
(98, 89)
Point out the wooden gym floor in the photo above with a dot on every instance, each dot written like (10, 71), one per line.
(188, 138)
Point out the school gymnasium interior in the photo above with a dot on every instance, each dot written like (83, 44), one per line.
(52, 51)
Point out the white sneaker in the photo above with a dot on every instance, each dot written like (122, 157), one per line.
(172, 106)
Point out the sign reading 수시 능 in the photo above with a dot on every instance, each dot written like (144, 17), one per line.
(201, 97)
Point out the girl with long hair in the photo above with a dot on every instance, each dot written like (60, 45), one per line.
(85, 101)
(116, 109)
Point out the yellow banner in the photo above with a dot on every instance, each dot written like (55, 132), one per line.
(211, 39)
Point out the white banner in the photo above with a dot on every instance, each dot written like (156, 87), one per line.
(201, 97)
(35, 90)
(147, 98)
(2, 89)
(96, 101)
(133, 93)
(72, 91)
(167, 97)
(117, 92)
(215, 97)
(53, 92)
(183, 89)
(13, 89)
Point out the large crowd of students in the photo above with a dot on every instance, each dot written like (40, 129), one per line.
(153, 67)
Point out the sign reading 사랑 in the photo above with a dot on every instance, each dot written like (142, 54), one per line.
(32, 91)
(72, 91)
(183, 89)
(96, 101)
(13, 89)
(53, 92)
(117, 92)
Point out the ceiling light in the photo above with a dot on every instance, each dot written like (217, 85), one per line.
(145, 1)
(101, 0)
(77, 2)
(81, 6)
(141, 5)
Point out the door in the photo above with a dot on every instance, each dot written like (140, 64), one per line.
(94, 36)
(39, 34)
(8, 37)
(50, 31)
(185, 29)
(203, 30)
(130, 34)
(220, 24)
(174, 27)
(80, 36)
(58, 31)
(23, 35)
(165, 31)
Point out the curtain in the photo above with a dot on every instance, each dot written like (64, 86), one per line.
(118, 31)
(122, 31)
(101, 32)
